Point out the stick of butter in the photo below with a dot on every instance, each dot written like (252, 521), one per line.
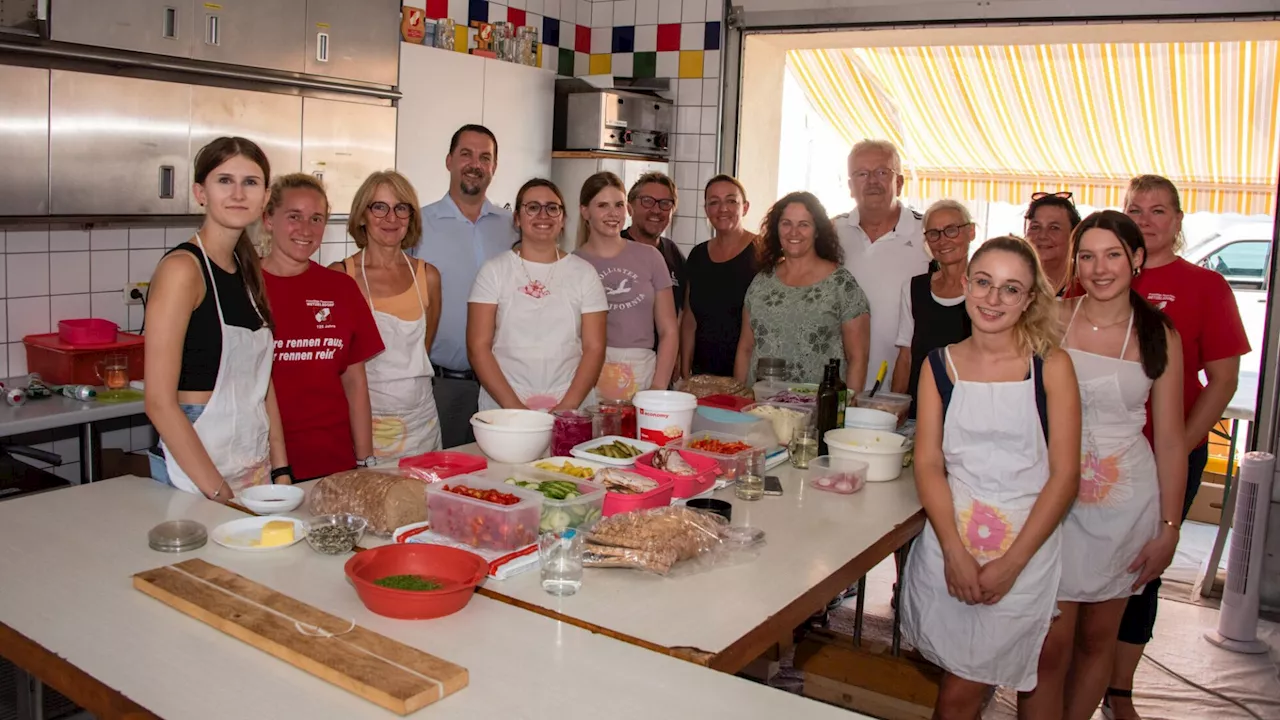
(276, 533)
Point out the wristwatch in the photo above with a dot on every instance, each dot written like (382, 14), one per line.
(368, 462)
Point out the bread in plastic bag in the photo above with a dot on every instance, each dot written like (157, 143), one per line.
(657, 540)
(701, 386)
(388, 500)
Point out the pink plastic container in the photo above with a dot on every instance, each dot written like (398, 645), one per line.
(615, 503)
(89, 331)
(685, 485)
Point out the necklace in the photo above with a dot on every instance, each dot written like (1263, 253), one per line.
(1096, 327)
(536, 289)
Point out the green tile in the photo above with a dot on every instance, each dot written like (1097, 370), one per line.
(646, 65)
(565, 66)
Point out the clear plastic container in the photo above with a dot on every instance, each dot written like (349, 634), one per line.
(784, 424)
(749, 428)
(731, 465)
(837, 475)
(888, 402)
(557, 514)
(480, 523)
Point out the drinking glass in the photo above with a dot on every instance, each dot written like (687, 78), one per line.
(803, 447)
(561, 554)
(113, 370)
(750, 484)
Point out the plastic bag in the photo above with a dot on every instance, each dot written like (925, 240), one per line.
(659, 540)
(701, 386)
(387, 498)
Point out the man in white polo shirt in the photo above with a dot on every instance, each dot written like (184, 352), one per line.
(883, 242)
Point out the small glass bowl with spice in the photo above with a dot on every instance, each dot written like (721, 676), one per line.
(336, 534)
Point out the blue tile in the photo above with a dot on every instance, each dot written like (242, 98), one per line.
(550, 31)
(624, 39)
(712, 40)
(478, 10)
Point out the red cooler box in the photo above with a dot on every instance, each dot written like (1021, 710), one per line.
(60, 363)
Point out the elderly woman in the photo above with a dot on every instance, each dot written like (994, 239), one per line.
(804, 307)
(324, 333)
(1048, 224)
(933, 313)
(404, 294)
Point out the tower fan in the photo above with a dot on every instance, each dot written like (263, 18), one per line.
(1238, 619)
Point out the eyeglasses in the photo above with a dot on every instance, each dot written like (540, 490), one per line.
(553, 210)
(1064, 195)
(648, 202)
(881, 174)
(404, 211)
(950, 231)
(980, 289)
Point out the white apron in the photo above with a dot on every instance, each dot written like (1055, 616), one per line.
(626, 372)
(404, 407)
(537, 341)
(997, 463)
(233, 426)
(1118, 509)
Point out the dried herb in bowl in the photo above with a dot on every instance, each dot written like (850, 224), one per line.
(408, 582)
(332, 539)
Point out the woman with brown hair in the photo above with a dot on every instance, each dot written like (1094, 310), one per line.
(208, 354)
(404, 294)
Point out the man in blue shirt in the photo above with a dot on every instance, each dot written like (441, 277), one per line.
(460, 232)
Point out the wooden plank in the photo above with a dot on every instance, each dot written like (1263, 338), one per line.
(391, 674)
(872, 667)
(862, 700)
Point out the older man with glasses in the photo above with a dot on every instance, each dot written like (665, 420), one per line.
(883, 242)
(652, 201)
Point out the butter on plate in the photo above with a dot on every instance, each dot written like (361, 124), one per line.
(274, 534)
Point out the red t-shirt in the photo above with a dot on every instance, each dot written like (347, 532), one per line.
(322, 326)
(1203, 310)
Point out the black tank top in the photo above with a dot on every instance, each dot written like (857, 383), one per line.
(935, 326)
(202, 347)
(717, 292)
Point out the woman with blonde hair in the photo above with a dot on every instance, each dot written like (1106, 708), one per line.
(404, 294)
(980, 587)
(324, 333)
(638, 287)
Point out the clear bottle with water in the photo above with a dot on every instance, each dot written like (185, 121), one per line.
(560, 552)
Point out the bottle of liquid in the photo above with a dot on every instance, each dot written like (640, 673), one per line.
(842, 391)
(828, 406)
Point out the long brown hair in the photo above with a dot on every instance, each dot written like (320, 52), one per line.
(590, 189)
(826, 244)
(1038, 330)
(211, 157)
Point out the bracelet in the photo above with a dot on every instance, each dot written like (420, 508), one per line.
(1170, 523)
(281, 472)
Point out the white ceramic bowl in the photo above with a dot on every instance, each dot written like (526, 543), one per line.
(868, 419)
(271, 499)
(512, 436)
(882, 451)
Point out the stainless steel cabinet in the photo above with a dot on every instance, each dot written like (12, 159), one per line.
(24, 141)
(161, 27)
(118, 146)
(253, 33)
(272, 121)
(343, 142)
(354, 40)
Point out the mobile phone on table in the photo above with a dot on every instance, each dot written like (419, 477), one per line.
(772, 485)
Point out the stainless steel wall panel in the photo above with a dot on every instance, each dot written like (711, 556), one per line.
(161, 27)
(354, 40)
(24, 141)
(272, 121)
(343, 142)
(253, 33)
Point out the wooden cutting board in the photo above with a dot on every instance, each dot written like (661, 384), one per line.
(391, 674)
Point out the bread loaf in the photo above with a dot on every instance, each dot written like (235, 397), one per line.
(386, 500)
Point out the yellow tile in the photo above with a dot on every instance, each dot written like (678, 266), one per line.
(461, 39)
(691, 63)
(601, 64)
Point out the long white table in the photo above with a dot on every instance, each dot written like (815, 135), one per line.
(70, 616)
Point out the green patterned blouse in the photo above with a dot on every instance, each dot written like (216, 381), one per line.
(801, 325)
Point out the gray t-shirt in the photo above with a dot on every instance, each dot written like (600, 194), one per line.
(631, 280)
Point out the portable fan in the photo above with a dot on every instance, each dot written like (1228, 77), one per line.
(1238, 619)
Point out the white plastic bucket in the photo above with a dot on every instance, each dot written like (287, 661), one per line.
(663, 416)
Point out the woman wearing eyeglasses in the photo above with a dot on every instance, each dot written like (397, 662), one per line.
(404, 294)
(1050, 219)
(536, 316)
(933, 314)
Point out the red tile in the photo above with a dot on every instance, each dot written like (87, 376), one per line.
(669, 37)
(582, 38)
(437, 9)
(516, 17)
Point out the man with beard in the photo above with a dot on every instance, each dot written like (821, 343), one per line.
(652, 202)
(461, 232)
(883, 242)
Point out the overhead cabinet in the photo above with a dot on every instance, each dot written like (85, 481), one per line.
(354, 40)
(251, 32)
(271, 120)
(24, 141)
(343, 142)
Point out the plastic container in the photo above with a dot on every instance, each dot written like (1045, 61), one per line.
(582, 511)
(725, 402)
(829, 473)
(62, 364)
(792, 393)
(175, 536)
(784, 425)
(439, 465)
(571, 428)
(869, 419)
(752, 429)
(889, 402)
(553, 465)
(615, 503)
(88, 332)
(480, 523)
(663, 416)
(583, 451)
(685, 485)
(881, 451)
(613, 417)
(458, 572)
(730, 465)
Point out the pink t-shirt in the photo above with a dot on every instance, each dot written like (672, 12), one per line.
(632, 279)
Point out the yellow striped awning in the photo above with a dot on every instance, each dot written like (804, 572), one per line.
(999, 122)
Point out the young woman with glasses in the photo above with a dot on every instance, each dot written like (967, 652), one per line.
(1048, 224)
(536, 316)
(997, 465)
(404, 294)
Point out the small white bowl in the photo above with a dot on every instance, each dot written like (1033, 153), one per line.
(512, 436)
(868, 419)
(882, 451)
(271, 499)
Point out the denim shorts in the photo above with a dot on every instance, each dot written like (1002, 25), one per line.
(159, 472)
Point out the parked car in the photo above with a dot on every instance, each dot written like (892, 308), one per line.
(1241, 253)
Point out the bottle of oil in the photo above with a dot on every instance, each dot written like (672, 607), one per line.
(842, 391)
(828, 406)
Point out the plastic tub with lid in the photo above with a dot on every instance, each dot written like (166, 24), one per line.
(558, 513)
(481, 523)
(60, 363)
(882, 451)
(616, 502)
(754, 430)
(707, 469)
(663, 416)
(869, 419)
(895, 403)
(439, 465)
(785, 418)
(731, 464)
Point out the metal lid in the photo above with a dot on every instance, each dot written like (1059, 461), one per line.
(177, 536)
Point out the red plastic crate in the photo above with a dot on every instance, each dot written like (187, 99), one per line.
(62, 364)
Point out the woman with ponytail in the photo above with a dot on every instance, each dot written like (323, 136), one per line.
(209, 344)
(1122, 530)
